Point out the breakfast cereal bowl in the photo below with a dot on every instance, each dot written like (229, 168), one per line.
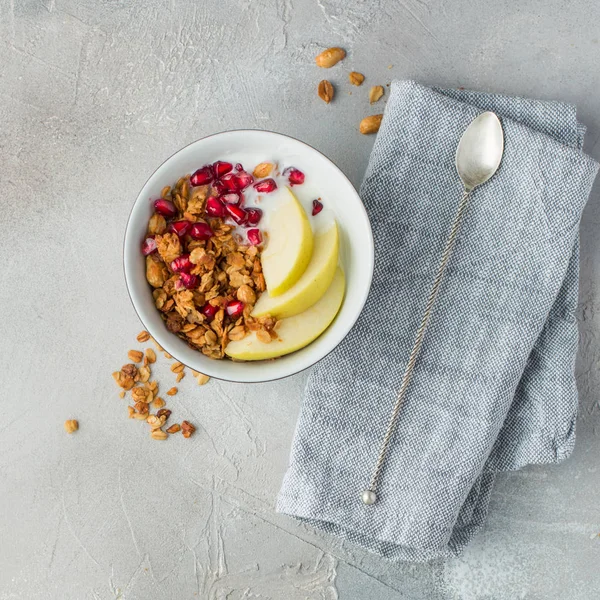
(323, 181)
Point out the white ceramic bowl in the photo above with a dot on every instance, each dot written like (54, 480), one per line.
(323, 178)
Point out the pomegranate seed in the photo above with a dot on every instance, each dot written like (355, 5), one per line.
(221, 168)
(181, 228)
(254, 237)
(202, 176)
(219, 187)
(295, 177)
(201, 231)
(230, 182)
(239, 167)
(235, 308)
(148, 245)
(189, 281)
(265, 186)
(237, 214)
(254, 216)
(243, 180)
(215, 208)
(165, 207)
(209, 311)
(182, 264)
(231, 198)
(317, 207)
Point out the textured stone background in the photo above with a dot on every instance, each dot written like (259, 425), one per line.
(93, 96)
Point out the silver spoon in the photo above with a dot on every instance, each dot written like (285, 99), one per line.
(478, 156)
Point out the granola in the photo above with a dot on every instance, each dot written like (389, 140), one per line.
(205, 277)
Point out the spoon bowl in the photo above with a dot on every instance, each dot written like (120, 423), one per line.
(480, 150)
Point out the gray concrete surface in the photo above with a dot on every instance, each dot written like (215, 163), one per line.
(93, 96)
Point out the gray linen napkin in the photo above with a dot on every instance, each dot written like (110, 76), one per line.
(494, 386)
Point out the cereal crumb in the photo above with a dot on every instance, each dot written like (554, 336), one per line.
(143, 336)
(71, 426)
(172, 391)
(202, 379)
(187, 429)
(135, 356)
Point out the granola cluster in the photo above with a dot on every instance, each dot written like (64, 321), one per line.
(134, 377)
(206, 280)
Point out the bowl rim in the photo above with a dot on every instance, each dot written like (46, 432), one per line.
(371, 255)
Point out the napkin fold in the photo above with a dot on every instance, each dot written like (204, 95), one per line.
(494, 387)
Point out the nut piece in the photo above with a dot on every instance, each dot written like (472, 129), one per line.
(187, 429)
(164, 411)
(158, 403)
(330, 57)
(370, 124)
(375, 93)
(150, 355)
(71, 426)
(143, 336)
(174, 428)
(156, 422)
(326, 91)
(172, 391)
(135, 356)
(202, 379)
(144, 373)
(356, 78)
(158, 434)
(263, 170)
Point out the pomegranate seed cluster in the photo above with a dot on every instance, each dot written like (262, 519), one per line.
(205, 275)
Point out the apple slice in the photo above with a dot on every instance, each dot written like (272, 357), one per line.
(294, 332)
(290, 246)
(311, 286)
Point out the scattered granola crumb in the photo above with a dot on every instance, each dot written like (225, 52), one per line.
(158, 434)
(122, 394)
(195, 373)
(172, 391)
(174, 428)
(356, 78)
(370, 124)
(330, 57)
(158, 346)
(135, 356)
(326, 91)
(177, 367)
(180, 376)
(155, 421)
(375, 93)
(390, 66)
(71, 426)
(150, 355)
(167, 355)
(164, 412)
(143, 336)
(158, 403)
(187, 429)
(202, 379)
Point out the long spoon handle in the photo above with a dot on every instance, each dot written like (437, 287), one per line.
(369, 495)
